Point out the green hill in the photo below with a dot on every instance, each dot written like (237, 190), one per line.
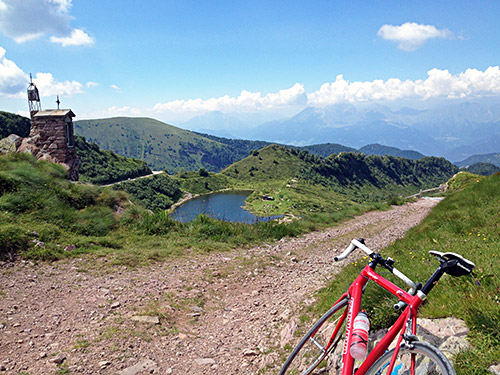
(105, 167)
(161, 146)
(484, 158)
(326, 149)
(42, 222)
(368, 177)
(11, 123)
(482, 168)
(376, 149)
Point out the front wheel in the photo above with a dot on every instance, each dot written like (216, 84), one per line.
(310, 353)
(426, 358)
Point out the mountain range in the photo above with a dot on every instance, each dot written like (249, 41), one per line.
(455, 130)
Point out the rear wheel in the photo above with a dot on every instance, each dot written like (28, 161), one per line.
(309, 356)
(428, 360)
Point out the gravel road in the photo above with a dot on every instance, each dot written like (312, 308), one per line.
(227, 313)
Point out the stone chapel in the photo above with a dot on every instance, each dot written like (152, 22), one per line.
(52, 134)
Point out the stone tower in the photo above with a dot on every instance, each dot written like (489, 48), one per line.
(52, 135)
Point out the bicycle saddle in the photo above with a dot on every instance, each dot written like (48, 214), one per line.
(454, 264)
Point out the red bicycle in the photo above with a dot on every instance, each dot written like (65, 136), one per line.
(316, 354)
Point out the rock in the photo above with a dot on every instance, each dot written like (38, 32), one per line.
(146, 319)
(147, 365)
(70, 248)
(495, 369)
(104, 364)
(250, 352)
(10, 144)
(58, 359)
(38, 243)
(204, 361)
(287, 332)
(115, 305)
(197, 309)
(449, 334)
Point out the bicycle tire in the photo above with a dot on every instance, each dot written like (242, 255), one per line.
(307, 356)
(428, 360)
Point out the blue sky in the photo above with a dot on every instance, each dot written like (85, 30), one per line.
(173, 60)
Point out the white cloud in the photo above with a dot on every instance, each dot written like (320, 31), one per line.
(116, 88)
(246, 101)
(25, 20)
(410, 35)
(122, 111)
(91, 84)
(13, 81)
(48, 86)
(438, 84)
(78, 37)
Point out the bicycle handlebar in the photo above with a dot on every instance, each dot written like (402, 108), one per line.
(358, 244)
(355, 244)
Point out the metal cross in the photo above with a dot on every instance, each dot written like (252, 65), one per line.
(58, 102)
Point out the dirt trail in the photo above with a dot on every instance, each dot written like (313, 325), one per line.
(225, 313)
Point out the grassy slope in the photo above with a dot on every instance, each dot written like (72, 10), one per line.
(467, 223)
(161, 146)
(86, 219)
(304, 183)
(37, 203)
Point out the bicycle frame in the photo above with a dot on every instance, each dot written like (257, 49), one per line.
(354, 294)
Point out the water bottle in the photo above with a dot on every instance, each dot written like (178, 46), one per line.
(360, 328)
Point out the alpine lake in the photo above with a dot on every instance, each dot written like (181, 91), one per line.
(227, 206)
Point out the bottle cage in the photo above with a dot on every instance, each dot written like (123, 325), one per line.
(454, 264)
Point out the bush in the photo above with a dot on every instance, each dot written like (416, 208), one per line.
(94, 221)
(159, 223)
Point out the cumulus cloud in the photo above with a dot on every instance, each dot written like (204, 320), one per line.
(48, 86)
(410, 35)
(24, 20)
(438, 84)
(78, 37)
(13, 81)
(246, 101)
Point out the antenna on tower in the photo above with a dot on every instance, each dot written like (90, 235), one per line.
(33, 98)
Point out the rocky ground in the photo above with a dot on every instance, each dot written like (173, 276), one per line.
(227, 313)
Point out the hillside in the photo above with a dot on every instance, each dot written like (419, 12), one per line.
(376, 149)
(363, 177)
(161, 146)
(41, 222)
(105, 167)
(493, 158)
(481, 168)
(326, 149)
(11, 123)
